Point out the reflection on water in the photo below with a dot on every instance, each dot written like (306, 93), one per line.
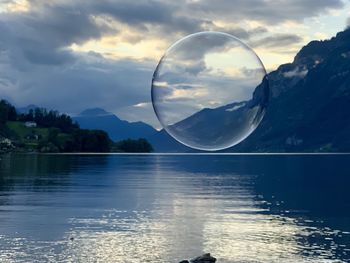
(167, 208)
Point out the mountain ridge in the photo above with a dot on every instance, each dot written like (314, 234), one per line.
(309, 102)
(117, 129)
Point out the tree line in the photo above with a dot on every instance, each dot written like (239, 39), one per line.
(65, 135)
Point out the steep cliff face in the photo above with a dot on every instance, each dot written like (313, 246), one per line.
(309, 101)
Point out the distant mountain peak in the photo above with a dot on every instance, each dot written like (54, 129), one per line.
(95, 112)
(99, 119)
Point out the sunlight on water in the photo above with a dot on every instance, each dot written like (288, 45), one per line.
(163, 209)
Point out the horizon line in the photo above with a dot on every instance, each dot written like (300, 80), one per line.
(203, 154)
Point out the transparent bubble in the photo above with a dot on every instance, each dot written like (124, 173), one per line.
(210, 91)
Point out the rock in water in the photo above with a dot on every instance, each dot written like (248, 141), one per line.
(206, 258)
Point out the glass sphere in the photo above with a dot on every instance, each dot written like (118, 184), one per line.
(210, 91)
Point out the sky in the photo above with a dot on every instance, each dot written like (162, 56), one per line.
(204, 70)
(73, 55)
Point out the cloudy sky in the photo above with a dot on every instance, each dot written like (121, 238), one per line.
(72, 55)
(204, 70)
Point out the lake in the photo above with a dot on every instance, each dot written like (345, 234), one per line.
(166, 208)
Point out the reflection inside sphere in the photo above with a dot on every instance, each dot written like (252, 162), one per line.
(210, 91)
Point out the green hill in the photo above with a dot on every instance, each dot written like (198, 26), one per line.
(29, 137)
(40, 130)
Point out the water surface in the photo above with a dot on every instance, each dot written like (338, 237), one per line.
(71, 208)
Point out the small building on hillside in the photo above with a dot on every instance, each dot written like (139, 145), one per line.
(32, 136)
(30, 124)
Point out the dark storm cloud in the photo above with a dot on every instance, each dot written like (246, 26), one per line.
(167, 16)
(41, 35)
(266, 11)
(189, 17)
(197, 46)
(277, 40)
(247, 34)
(238, 32)
(196, 68)
(136, 12)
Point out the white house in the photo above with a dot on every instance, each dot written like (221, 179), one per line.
(30, 124)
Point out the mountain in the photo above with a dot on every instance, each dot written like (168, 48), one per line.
(308, 110)
(207, 129)
(309, 106)
(116, 128)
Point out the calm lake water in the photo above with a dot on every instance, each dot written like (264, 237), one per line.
(112, 208)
